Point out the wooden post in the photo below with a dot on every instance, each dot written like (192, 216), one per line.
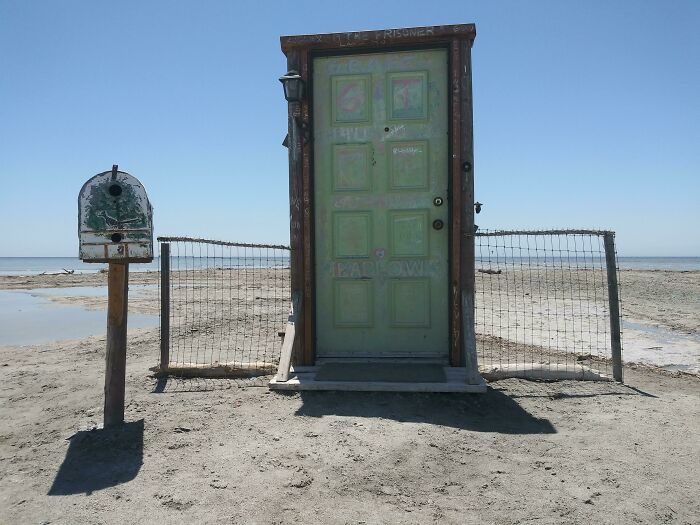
(466, 156)
(296, 208)
(614, 303)
(115, 372)
(164, 306)
(289, 337)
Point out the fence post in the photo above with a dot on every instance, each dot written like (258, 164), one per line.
(614, 302)
(164, 306)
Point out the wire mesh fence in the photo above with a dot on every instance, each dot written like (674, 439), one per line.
(223, 306)
(544, 301)
(544, 306)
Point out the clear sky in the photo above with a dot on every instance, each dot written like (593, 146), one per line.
(587, 114)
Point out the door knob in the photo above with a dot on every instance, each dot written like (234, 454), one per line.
(438, 224)
(437, 201)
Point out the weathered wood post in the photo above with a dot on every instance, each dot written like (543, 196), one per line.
(614, 303)
(164, 306)
(464, 168)
(115, 371)
(115, 225)
(293, 85)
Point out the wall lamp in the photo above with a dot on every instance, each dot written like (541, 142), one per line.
(293, 86)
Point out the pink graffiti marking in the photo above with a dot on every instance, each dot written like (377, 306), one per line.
(348, 99)
(404, 85)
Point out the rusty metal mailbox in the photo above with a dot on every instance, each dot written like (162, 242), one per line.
(115, 219)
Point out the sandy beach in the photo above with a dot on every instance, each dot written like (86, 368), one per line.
(212, 451)
(487, 246)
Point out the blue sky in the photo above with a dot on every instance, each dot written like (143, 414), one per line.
(587, 114)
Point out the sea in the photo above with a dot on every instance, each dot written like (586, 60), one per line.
(39, 265)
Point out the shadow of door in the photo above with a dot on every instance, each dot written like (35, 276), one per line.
(490, 412)
(101, 458)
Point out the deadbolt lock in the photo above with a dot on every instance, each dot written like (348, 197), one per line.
(437, 201)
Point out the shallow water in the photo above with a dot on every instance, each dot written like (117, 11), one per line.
(38, 265)
(86, 291)
(29, 317)
(654, 345)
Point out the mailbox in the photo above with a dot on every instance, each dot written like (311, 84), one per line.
(115, 219)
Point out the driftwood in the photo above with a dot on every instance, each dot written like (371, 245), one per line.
(64, 272)
(490, 272)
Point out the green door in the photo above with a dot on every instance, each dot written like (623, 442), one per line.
(380, 168)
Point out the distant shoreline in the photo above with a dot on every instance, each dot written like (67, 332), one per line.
(34, 266)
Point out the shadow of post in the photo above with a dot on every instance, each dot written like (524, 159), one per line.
(490, 412)
(97, 459)
(161, 385)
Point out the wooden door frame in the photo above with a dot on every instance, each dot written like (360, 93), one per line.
(300, 51)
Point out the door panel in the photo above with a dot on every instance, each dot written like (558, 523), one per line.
(380, 158)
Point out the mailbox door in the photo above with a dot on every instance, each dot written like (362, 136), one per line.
(114, 219)
(381, 237)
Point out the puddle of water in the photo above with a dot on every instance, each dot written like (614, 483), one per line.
(77, 291)
(644, 343)
(661, 333)
(86, 291)
(29, 317)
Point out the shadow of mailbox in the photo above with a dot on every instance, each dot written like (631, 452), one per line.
(115, 219)
(100, 458)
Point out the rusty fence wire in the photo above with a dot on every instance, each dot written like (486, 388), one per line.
(546, 306)
(222, 307)
(543, 304)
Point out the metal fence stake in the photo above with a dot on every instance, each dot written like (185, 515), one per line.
(614, 302)
(164, 306)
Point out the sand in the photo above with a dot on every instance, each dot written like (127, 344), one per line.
(547, 311)
(668, 299)
(209, 451)
(62, 280)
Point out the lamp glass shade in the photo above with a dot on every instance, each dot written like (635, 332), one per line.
(293, 86)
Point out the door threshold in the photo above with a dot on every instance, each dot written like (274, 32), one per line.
(304, 378)
(388, 358)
